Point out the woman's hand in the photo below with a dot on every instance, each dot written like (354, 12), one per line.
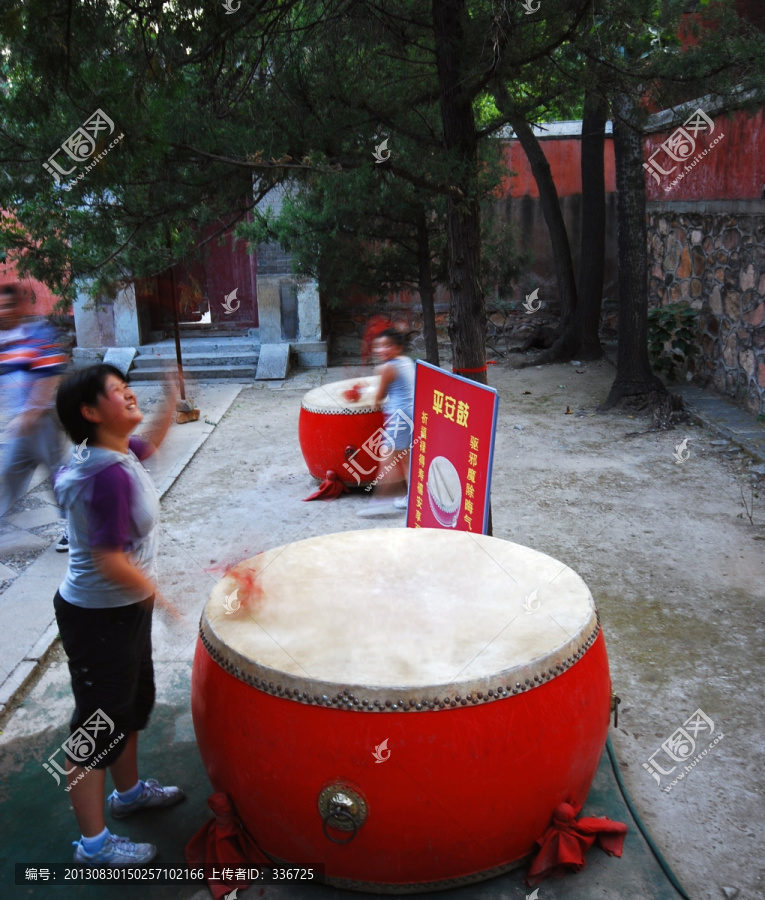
(162, 601)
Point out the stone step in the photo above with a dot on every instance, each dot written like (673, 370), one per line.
(196, 331)
(242, 358)
(200, 373)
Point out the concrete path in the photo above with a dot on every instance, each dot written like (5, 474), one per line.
(28, 626)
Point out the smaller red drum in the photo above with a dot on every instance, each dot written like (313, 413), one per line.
(336, 420)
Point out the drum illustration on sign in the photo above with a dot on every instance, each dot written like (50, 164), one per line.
(336, 423)
(381, 702)
(444, 491)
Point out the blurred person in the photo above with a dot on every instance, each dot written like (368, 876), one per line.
(104, 607)
(31, 364)
(396, 396)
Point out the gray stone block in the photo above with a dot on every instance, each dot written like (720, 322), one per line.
(269, 310)
(120, 357)
(86, 356)
(309, 311)
(273, 362)
(312, 359)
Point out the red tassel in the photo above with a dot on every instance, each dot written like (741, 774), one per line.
(563, 846)
(330, 488)
(223, 841)
(353, 394)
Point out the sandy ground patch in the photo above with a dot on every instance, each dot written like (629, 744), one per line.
(676, 569)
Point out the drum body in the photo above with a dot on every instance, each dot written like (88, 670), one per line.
(432, 781)
(332, 429)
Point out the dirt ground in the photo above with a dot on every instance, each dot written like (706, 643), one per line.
(675, 566)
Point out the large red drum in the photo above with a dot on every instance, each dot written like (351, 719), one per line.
(406, 706)
(335, 421)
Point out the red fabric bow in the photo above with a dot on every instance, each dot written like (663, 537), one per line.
(223, 841)
(330, 488)
(565, 842)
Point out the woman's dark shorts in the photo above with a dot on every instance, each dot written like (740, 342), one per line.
(109, 653)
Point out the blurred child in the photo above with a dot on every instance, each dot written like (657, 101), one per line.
(30, 363)
(396, 395)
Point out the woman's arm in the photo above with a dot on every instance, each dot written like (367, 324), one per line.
(387, 377)
(115, 566)
(161, 423)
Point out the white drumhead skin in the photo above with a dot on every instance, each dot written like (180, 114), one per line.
(415, 612)
(328, 398)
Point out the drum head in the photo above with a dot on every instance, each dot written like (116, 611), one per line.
(398, 616)
(331, 398)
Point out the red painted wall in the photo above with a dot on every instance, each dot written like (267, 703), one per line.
(563, 155)
(733, 169)
(38, 299)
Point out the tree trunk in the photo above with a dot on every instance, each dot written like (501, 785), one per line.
(593, 226)
(467, 326)
(426, 291)
(634, 378)
(566, 345)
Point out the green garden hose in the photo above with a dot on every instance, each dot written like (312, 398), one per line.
(643, 830)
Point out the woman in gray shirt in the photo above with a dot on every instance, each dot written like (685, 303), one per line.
(104, 608)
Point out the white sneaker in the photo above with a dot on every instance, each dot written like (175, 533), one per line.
(152, 796)
(117, 852)
(400, 502)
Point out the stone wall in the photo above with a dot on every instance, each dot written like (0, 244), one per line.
(348, 323)
(711, 254)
